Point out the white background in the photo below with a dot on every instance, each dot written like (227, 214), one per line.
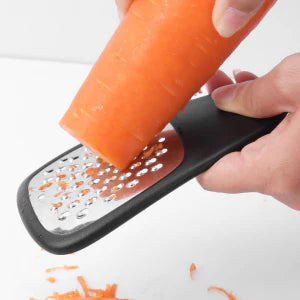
(247, 243)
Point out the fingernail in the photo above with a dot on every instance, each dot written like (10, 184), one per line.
(236, 71)
(224, 95)
(120, 14)
(230, 21)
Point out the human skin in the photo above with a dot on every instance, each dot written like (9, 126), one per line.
(270, 165)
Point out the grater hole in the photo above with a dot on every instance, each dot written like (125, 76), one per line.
(48, 172)
(150, 161)
(135, 165)
(95, 181)
(117, 188)
(90, 201)
(132, 183)
(63, 216)
(142, 172)
(62, 160)
(161, 152)
(110, 198)
(56, 206)
(61, 169)
(72, 167)
(156, 167)
(66, 196)
(41, 196)
(161, 140)
(83, 192)
(116, 171)
(104, 188)
(81, 214)
(109, 180)
(74, 204)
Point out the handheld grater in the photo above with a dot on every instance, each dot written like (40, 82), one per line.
(77, 198)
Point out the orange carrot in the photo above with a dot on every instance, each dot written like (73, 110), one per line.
(51, 279)
(160, 55)
(61, 268)
(229, 295)
(192, 270)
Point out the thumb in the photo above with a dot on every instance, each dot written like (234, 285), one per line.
(229, 16)
(123, 6)
(267, 96)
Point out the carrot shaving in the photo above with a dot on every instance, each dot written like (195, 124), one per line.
(149, 152)
(73, 176)
(61, 176)
(72, 166)
(229, 295)
(30, 189)
(84, 192)
(51, 279)
(192, 270)
(57, 205)
(57, 194)
(62, 184)
(90, 171)
(67, 268)
(87, 155)
(83, 285)
(42, 187)
(79, 183)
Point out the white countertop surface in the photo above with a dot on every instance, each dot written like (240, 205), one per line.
(246, 243)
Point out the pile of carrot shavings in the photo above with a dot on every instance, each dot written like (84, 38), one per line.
(229, 295)
(192, 270)
(61, 268)
(91, 294)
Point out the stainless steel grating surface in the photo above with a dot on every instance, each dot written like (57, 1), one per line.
(80, 188)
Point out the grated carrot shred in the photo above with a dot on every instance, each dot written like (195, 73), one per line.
(192, 270)
(61, 176)
(51, 279)
(62, 184)
(90, 171)
(229, 295)
(83, 285)
(67, 268)
(42, 187)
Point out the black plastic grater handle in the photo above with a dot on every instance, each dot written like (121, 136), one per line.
(207, 135)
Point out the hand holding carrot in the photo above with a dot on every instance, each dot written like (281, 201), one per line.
(271, 165)
(229, 16)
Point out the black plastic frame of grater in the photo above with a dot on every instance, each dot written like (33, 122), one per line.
(207, 134)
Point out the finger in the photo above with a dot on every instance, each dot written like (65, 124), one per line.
(266, 96)
(242, 76)
(217, 80)
(229, 16)
(123, 6)
(238, 171)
